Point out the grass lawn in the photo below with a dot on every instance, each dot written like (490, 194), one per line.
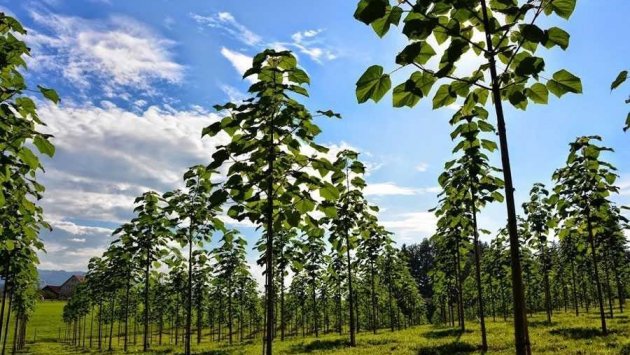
(566, 335)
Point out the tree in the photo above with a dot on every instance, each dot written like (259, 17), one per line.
(539, 219)
(196, 216)
(267, 179)
(349, 209)
(147, 235)
(511, 37)
(231, 265)
(581, 197)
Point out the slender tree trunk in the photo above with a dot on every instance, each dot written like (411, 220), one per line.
(15, 334)
(373, 291)
(145, 338)
(315, 314)
(477, 256)
(546, 282)
(353, 341)
(460, 289)
(127, 313)
(230, 313)
(6, 326)
(111, 327)
(268, 346)
(619, 284)
(575, 294)
(591, 240)
(189, 304)
(521, 335)
(7, 284)
(282, 315)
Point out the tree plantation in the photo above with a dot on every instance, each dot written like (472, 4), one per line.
(276, 241)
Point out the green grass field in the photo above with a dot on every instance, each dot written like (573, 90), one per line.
(566, 335)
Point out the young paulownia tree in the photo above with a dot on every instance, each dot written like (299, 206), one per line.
(504, 36)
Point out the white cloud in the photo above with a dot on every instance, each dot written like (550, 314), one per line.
(226, 22)
(121, 52)
(422, 167)
(240, 61)
(391, 189)
(107, 156)
(410, 227)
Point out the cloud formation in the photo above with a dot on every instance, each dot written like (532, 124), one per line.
(120, 52)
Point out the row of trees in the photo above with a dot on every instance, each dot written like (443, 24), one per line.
(572, 245)
(321, 243)
(21, 141)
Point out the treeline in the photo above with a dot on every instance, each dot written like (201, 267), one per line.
(329, 265)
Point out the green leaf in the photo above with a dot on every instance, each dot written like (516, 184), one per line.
(443, 97)
(44, 146)
(532, 33)
(9, 244)
(27, 156)
(621, 78)
(369, 11)
(392, 17)
(418, 52)
(329, 192)
(556, 36)
(373, 84)
(411, 91)
(299, 76)
(563, 8)
(50, 94)
(538, 93)
(564, 82)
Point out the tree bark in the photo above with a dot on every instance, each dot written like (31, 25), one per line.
(591, 240)
(521, 334)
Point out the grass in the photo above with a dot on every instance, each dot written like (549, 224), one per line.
(567, 334)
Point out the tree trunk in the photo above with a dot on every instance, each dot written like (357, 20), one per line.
(315, 314)
(353, 341)
(189, 304)
(373, 291)
(521, 335)
(575, 294)
(145, 339)
(268, 345)
(111, 326)
(546, 282)
(477, 255)
(591, 240)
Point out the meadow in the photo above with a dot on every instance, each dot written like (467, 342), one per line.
(567, 334)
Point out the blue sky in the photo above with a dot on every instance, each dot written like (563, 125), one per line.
(138, 80)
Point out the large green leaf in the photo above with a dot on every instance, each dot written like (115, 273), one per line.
(443, 97)
(373, 84)
(44, 146)
(392, 17)
(418, 52)
(538, 93)
(564, 82)
(563, 8)
(369, 11)
(50, 94)
(556, 36)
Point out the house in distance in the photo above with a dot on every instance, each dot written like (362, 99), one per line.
(63, 292)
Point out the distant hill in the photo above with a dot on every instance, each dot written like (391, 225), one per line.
(56, 277)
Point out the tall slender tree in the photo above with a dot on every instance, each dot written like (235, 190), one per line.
(510, 72)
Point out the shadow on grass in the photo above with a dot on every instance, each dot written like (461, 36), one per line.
(457, 347)
(445, 333)
(216, 352)
(542, 323)
(625, 350)
(579, 333)
(318, 345)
